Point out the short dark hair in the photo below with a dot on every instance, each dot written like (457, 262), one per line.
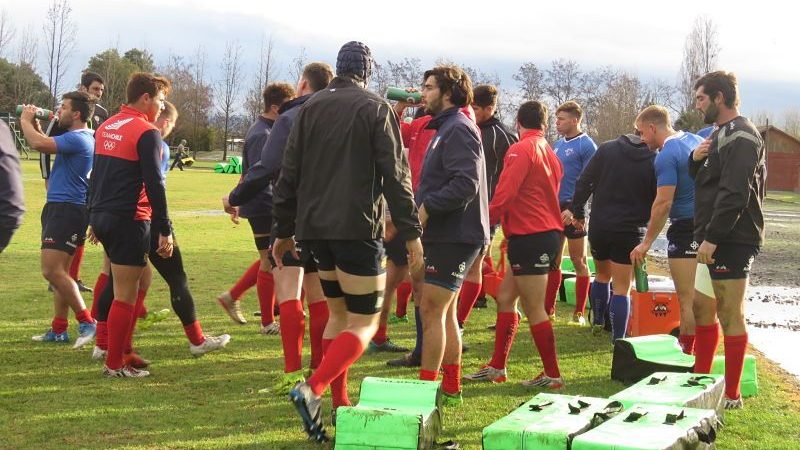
(714, 83)
(454, 81)
(90, 77)
(532, 115)
(485, 95)
(276, 94)
(318, 75)
(81, 102)
(141, 83)
(572, 108)
(170, 111)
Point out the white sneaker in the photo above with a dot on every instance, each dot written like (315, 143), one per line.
(544, 381)
(98, 354)
(578, 320)
(87, 332)
(271, 329)
(125, 372)
(488, 373)
(209, 345)
(729, 403)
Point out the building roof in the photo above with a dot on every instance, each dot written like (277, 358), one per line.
(773, 129)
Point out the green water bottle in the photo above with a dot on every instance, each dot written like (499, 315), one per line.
(640, 275)
(401, 95)
(41, 113)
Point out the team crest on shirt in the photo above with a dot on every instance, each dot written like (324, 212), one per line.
(569, 152)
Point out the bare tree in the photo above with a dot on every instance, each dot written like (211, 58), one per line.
(298, 63)
(562, 81)
(27, 47)
(618, 107)
(700, 55)
(227, 88)
(6, 31)
(199, 89)
(60, 38)
(254, 104)
(530, 80)
(406, 73)
(791, 122)
(379, 81)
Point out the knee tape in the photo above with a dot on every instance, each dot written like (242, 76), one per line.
(331, 289)
(262, 242)
(364, 304)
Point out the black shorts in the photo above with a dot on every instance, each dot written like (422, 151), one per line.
(680, 236)
(446, 264)
(5, 237)
(533, 254)
(396, 252)
(125, 241)
(306, 260)
(64, 226)
(569, 230)
(261, 225)
(364, 258)
(732, 261)
(614, 245)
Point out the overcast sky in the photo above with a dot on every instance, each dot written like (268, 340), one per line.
(759, 42)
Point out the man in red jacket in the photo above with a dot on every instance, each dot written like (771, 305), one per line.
(526, 204)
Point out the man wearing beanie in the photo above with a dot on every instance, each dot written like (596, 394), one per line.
(349, 139)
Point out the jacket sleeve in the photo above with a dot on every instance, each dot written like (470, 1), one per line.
(149, 150)
(694, 166)
(392, 165)
(739, 161)
(461, 158)
(585, 185)
(284, 194)
(261, 173)
(517, 164)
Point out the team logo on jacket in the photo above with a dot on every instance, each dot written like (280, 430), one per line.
(109, 145)
(118, 124)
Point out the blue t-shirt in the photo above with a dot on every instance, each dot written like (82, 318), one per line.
(164, 159)
(574, 154)
(672, 169)
(69, 178)
(706, 132)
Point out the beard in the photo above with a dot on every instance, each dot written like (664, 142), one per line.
(435, 106)
(711, 114)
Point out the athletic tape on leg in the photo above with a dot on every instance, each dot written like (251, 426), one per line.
(365, 303)
(331, 289)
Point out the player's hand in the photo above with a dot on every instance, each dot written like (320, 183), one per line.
(28, 113)
(232, 210)
(423, 216)
(415, 255)
(566, 217)
(579, 224)
(705, 254)
(638, 253)
(280, 247)
(389, 231)
(164, 246)
(701, 151)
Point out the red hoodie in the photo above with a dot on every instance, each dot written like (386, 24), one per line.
(526, 199)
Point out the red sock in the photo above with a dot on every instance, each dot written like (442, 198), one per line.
(265, 286)
(101, 335)
(318, 318)
(380, 335)
(687, 343)
(99, 285)
(75, 266)
(137, 313)
(84, 316)
(59, 325)
(504, 332)
(466, 300)
(293, 328)
(735, 348)
(403, 295)
(545, 341)
(581, 293)
(339, 395)
(451, 381)
(195, 333)
(553, 283)
(120, 319)
(246, 281)
(705, 346)
(342, 353)
(428, 375)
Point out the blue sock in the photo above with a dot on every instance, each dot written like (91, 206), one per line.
(619, 309)
(598, 297)
(417, 352)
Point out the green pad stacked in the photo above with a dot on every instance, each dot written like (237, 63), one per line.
(676, 389)
(653, 427)
(639, 357)
(391, 414)
(548, 422)
(749, 383)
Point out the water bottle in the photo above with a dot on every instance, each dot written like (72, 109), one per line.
(41, 113)
(640, 275)
(401, 95)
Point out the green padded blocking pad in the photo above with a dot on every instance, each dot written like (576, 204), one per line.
(546, 422)
(749, 383)
(391, 414)
(567, 266)
(653, 427)
(639, 357)
(569, 291)
(676, 389)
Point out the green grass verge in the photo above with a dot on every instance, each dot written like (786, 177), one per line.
(54, 397)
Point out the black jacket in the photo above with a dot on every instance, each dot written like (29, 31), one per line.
(11, 202)
(254, 140)
(344, 154)
(496, 139)
(623, 180)
(453, 184)
(729, 186)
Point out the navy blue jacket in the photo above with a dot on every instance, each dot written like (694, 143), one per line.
(254, 142)
(453, 184)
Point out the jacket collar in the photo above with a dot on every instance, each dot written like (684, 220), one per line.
(531, 134)
(125, 109)
(342, 83)
(490, 122)
(439, 119)
(294, 102)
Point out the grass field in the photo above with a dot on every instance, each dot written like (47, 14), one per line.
(54, 397)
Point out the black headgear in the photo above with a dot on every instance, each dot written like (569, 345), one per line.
(354, 59)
